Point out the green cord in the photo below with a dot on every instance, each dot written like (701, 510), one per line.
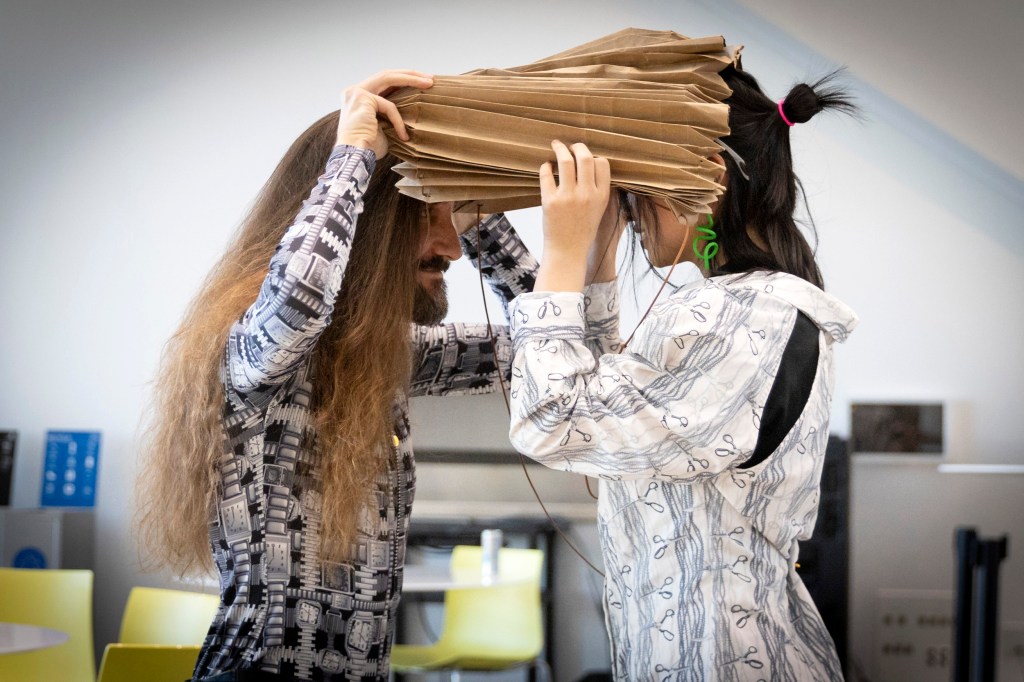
(706, 233)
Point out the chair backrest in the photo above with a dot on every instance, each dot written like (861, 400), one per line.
(499, 623)
(56, 599)
(171, 617)
(149, 662)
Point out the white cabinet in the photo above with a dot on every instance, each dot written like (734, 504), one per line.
(46, 538)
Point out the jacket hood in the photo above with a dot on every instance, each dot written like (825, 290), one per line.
(830, 314)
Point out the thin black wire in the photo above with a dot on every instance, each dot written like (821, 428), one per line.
(504, 391)
(508, 406)
(604, 254)
(675, 261)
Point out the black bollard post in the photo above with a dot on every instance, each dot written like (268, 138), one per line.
(965, 542)
(989, 554)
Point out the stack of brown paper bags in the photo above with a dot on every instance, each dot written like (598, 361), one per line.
(648, 101)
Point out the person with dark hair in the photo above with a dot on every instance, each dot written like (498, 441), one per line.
(707, 429)
(281, 434)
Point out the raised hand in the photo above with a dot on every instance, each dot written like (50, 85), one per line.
(361, 105)
(573, 209)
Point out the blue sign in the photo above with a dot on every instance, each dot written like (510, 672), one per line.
(71, 468)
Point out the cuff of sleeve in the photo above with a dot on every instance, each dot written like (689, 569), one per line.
(346, 156)
(559, 314)
(601, 298)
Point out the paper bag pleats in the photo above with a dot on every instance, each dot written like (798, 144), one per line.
(651, 102)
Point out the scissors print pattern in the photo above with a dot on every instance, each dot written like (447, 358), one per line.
(698, 553)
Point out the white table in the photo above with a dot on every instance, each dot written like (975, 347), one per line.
(18, 638)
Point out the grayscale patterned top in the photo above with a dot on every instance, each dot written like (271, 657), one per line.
(281, 611)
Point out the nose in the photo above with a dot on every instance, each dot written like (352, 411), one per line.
(442, 238)
(448, 242)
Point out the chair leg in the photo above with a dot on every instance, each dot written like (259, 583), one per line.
(542, 664)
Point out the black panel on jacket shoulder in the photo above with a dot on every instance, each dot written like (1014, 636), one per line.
(790, 391)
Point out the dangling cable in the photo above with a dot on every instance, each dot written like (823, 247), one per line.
(664, 281)
(501, 375)
(604, 254)
(508, 406)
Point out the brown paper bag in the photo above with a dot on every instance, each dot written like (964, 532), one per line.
(648, 101)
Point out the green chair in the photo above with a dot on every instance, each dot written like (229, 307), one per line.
(490, 628)
(149, 662)
(56, 599)
(170, 617)
(161, 634)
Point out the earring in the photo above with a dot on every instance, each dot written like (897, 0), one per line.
(707, 234)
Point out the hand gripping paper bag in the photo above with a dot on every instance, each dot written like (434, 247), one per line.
(651, 102)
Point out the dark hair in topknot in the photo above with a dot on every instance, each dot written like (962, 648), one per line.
(762, 193)
(766, 201)
(804, 101)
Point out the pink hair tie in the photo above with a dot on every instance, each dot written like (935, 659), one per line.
(783, 114)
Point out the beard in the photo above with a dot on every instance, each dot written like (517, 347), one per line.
(430, 307)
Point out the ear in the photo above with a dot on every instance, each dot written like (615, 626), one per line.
(722, 176)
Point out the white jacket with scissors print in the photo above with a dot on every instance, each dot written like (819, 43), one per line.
(699, 536)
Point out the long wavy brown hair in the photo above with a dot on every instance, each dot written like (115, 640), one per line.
(359, 365)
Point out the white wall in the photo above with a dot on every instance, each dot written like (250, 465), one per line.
(134, 135)
(958, 65)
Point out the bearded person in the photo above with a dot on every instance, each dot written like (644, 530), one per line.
(281, 432)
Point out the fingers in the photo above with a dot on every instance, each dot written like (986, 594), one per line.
(584, 164)
(574, 202)
(390, 112)
(566, 164)
(362, 104)
(385, 81)
(547, 180)
(602, 174)
(577, 165)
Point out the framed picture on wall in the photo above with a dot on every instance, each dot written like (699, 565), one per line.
(897, 428)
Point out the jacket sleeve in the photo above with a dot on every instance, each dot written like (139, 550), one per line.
(460, 359)
(684, 402)
(601, 307)
(297, 297)
(507, 265)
